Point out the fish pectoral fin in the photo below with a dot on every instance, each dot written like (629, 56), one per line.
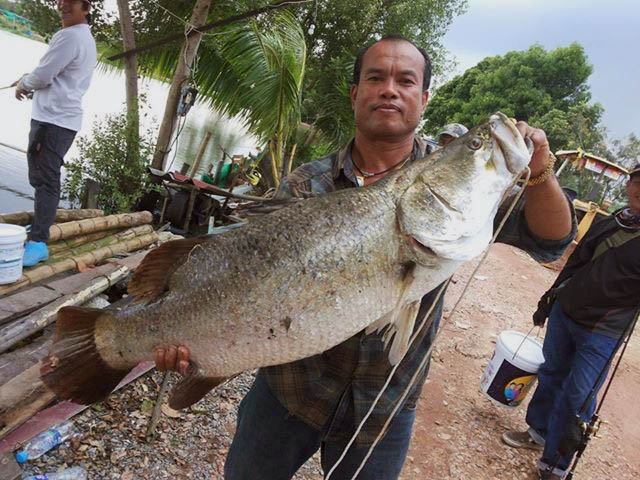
(380, 324)
(192, 388)
(151, 279)
(399, 321)
(403, 328)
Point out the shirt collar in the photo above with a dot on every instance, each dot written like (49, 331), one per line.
(343, 164)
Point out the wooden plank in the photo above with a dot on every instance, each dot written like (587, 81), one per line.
(24, 327)
(16, 362)
(9, 468)
(55, 414)
(25, 302)
(131, 261)
(76, 282)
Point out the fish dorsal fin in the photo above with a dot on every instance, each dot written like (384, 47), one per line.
(192, 388)
(399, 321)
(151, 278)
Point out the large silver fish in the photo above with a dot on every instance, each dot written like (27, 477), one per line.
(301, 280)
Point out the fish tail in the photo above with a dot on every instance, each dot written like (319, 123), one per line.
(75, 369)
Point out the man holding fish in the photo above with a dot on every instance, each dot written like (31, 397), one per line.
(296, 408)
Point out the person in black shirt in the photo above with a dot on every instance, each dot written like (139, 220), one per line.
(590, 306)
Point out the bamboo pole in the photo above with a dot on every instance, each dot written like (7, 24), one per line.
(103, 242)
(63, 231)
(62, 215)
(88, 259)
(62, 245)
(20, 329)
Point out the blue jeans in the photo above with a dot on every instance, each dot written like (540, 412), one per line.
(272, 444)
(574, 359)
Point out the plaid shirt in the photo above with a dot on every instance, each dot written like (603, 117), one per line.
(334, 390)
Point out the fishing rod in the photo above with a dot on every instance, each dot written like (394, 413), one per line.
(591, 428)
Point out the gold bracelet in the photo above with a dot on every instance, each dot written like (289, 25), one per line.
(541, 178)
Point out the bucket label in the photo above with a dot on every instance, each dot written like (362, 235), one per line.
(510, 384)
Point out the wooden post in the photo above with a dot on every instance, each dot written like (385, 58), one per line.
(192, 200)
(153, 422)
(201, 150)
(183, 70)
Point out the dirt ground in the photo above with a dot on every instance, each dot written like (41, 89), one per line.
(457, 432)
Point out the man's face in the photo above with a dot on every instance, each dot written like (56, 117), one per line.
(445, 139)
(633, 191)
(72, 12)
(388, 100)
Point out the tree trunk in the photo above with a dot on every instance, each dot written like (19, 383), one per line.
(131, 79)
(183, 70)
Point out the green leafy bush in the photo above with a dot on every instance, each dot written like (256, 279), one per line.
(105, 158)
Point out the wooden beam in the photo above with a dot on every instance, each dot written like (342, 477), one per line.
(25, 426)
(22, 328)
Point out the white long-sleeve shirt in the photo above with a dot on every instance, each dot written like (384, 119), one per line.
(63, 77)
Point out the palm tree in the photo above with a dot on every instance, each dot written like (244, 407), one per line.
(253, 71)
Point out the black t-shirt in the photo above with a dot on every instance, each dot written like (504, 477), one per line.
(603, 294)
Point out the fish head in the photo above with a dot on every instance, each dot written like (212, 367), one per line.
(448, 209)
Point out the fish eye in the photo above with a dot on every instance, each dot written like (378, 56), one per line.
(475, 143)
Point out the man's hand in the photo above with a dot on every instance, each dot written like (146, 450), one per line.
(540, 155)
(172, 358)
(20, 92)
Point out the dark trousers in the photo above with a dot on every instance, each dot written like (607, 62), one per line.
(272, 444)
(574, 359)
(48, 144)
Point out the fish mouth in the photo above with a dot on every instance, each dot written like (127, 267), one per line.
(419, 247)
(512, 149)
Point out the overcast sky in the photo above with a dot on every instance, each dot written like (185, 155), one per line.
(608, 31)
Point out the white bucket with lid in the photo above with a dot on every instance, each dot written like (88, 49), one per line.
(12, 238)
(513, 369)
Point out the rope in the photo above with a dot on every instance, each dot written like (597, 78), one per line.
(424, 361)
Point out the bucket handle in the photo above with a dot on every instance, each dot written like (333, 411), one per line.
(515, 354)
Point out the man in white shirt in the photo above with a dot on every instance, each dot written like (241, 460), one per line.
(59, 82)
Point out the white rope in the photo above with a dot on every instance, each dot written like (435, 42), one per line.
(426, 357)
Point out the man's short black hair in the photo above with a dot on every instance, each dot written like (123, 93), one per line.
(426, 77)
(87, 6)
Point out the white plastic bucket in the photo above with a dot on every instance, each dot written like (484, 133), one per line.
(513, 369)
(12, 238)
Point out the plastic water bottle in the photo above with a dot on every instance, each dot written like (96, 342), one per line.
(45, 441)
(75, 473)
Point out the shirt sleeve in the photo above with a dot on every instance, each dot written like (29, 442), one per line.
(62, 50)
(516, 232)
